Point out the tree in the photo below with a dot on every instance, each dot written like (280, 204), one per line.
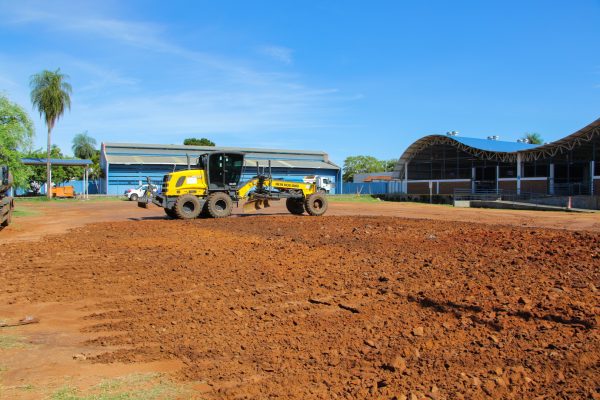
(198, 142)
(533, 138)
(95, 171)
(61, 174)
(362, 165)
(50, 94)
(389, 165)
(84, 146)
(16, 135)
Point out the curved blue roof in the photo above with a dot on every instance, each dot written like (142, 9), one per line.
(494, 145)
(500, 150)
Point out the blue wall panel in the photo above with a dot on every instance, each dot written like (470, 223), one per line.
(123, 177)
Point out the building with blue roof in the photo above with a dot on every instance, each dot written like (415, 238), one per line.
(441, 164)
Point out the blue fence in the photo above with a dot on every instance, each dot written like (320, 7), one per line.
(372, 187)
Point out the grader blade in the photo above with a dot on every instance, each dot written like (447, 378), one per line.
(254, 205)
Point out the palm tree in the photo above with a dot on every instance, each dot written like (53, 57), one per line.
(50, 94)
(84, 146)
(533, 138)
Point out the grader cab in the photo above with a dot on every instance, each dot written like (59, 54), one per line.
(212, 188)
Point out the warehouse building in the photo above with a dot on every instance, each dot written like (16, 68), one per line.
(127, 165)
(440, 164)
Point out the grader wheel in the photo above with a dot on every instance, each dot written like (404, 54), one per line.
(187, 207)
(219, 205)
(295, 206)
(316, 204)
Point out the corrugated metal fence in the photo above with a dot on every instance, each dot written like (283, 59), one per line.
(372, 187)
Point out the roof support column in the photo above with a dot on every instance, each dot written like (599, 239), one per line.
(497, 178)
(473, 179)
(405, 183)
(519, 173)
(592, 165)
(551, 180)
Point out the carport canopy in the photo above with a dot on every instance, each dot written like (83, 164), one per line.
(63, 163)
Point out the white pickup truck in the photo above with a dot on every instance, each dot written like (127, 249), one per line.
(135, 194)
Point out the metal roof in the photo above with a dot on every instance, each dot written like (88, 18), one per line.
(493, 145)
(203, 149)
(156, 154)
(500, 150)
(56, 162)
(248, 161)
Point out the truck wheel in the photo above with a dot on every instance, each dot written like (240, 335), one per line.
(219, 205)
(133, 197)
(170, 213)
(187, 207)
(316, 204)
(295, 206)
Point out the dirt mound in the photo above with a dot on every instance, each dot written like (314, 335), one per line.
(334, 307)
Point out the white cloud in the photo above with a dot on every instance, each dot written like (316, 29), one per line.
(188, 92)
(279, 53)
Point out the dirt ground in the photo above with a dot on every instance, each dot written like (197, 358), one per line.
(368, 301)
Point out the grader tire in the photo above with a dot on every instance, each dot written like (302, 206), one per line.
(219, 205)
(295, 206)
(170, 213)
(187, 207)
(316, 204)
(8, 219)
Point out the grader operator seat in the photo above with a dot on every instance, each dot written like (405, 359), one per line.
(223, 170)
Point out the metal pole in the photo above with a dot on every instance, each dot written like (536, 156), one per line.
(592, 164)
(551, 183)
(497, 179)
(270, 178)
(518, 173)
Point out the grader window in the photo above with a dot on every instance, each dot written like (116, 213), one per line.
(225, 170)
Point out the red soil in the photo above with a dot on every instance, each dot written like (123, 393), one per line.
(331, 307)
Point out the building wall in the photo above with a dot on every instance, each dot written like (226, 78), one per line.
(448, 187)
(418, 188)
(540, 187)
(597, 187)
(123, 177)
(508, 185)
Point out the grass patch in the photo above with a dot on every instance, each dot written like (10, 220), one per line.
(11, 342)
(356, 198)
(24, 211)
(132, 387)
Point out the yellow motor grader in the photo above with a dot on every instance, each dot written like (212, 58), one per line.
(213, 186)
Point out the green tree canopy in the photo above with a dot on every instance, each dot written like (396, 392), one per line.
(198, 142)
(364, 164)
(533, 138)
(389, 165)
(16, 135)
(51, 95)
(84, 146)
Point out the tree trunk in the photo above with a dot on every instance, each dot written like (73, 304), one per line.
(48, 168)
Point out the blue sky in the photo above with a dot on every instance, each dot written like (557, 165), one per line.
(347, 77)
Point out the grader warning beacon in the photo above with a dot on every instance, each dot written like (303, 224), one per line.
(214, 186)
